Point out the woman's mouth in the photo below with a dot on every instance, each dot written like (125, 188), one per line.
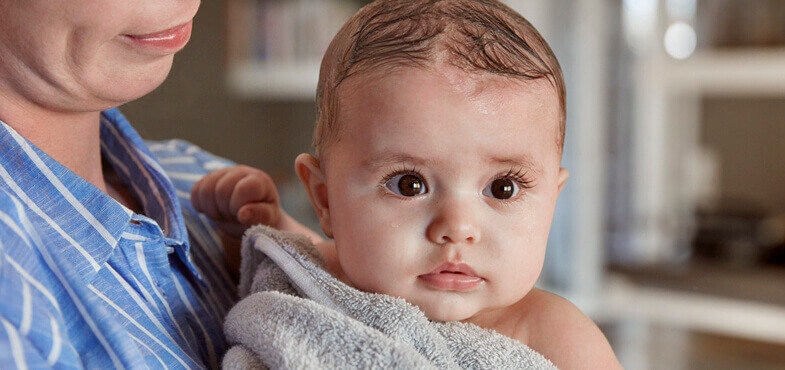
(163, 42)
(452, 276)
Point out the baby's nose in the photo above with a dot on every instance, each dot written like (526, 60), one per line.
(454, 224)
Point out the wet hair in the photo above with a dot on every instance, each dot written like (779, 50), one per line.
(478, 36)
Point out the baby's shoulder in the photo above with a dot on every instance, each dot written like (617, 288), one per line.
(560, 331)
(544, 311)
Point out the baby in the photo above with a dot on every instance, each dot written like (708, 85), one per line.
(437, 167)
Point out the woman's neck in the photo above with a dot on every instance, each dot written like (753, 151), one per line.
(73, 139)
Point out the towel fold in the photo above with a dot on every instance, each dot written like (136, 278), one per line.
(294, 314)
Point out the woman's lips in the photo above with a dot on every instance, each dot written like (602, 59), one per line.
(452, 276)
(167, 41)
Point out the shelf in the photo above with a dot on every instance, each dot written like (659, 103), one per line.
(712, 299)
(763, 284)
(727, 72)
(294, 80)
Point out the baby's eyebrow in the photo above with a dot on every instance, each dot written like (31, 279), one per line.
(524, 161)
(389, 158)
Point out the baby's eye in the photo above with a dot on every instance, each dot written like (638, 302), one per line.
(406, 184)
(503, 188)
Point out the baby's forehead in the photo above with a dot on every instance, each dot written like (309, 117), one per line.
(486, 92)
(426, 95)
(475, 85)
(386, 94)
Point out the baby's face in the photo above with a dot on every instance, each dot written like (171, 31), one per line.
(441, 188)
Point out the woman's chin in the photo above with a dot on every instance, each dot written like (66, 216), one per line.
(120, 85)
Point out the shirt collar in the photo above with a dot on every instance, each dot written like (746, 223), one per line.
(60, 196)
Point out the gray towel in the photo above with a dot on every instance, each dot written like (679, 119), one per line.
(294, 314)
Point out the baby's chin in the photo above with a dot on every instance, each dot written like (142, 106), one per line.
(444, 312)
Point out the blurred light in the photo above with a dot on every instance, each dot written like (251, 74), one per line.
(680, 40)
(640, 7)
(681, 9)
(639, 20)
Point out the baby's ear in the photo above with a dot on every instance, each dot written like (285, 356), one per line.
(563, 175)
(311, 175)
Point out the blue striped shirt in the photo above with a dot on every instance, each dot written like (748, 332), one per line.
(86, 282)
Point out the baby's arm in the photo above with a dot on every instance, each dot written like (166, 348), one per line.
(565, 335)
(236, 198)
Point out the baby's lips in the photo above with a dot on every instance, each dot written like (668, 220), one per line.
(455, 268)
(453, 281)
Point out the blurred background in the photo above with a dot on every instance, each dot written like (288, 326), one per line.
(670, 232)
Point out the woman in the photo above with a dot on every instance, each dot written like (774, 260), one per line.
(97, 268)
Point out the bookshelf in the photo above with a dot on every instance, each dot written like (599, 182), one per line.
(738, 56)
(275, 47)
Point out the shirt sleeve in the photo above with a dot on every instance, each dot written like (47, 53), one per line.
(182, 156)
(185, 163)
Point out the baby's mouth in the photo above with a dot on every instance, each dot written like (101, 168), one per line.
(452, 276)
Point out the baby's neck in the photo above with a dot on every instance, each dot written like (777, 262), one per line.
(328, 251)
(509, 320)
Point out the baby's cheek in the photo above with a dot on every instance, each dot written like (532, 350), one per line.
(531, 227)
(516, 244)
(359, 226)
